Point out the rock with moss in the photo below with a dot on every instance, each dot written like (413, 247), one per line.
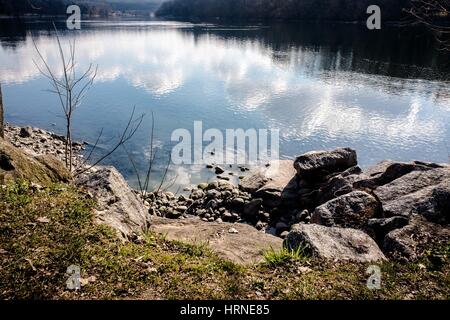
(17, 164)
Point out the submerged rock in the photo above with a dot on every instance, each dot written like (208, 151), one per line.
(334, 243)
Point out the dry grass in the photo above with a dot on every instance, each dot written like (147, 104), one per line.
(43, 232)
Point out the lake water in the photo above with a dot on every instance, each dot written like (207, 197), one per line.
(385, 93)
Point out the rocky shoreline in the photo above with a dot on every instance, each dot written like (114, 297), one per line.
(325, 201)
(322, 201)
(36, 142)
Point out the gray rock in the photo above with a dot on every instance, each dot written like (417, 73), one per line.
(271, 231)
(281, 226)
(425, 193)
(334, 243)
(226, 194)
(284, 234)
(352, 210)
(26, 132)
(226, 185)
(170, 195)
(197, 194)
(173, 214)
(383, 226)
(303, 215)
(181, 208)
(212, 185)
(372, 178)
(412, 240)
(339, 185)
(251, 208)
(227, 216)
(260, 225)
(117, 205)
(202, 186)
(276, 184)
(213, 194)
(320, 163)
(237, 203)
(387, 171)
(265, 216)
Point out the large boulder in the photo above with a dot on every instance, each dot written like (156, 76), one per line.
(275, 184)
(339, 184)
(425, 193)
(238, 242)
(117, 205)
(413, 239)
(17, 164)
(322, 163)
(388, 171)
(352, 210)
(369, 179)
(334, 243)
(380, 227)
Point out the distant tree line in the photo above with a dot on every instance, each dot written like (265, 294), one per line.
(52, 7)
(20, 7)
(338, 10)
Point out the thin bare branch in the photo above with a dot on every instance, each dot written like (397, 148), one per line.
(129, 131)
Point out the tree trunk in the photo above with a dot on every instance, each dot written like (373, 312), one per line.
(1, 114)
(67, 146)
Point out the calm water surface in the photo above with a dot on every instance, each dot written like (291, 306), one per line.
(384, 93)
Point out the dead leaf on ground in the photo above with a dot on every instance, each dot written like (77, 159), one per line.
(43, 220)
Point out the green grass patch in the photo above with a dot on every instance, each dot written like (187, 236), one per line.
(43, 232)
(286, 256)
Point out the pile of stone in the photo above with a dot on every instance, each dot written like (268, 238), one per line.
(223, 201)
(216, 201)
(400, 208)
(325, 202)
(36, 142)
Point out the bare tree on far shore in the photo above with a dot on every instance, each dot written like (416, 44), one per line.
(435, 15)
(69, 85)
